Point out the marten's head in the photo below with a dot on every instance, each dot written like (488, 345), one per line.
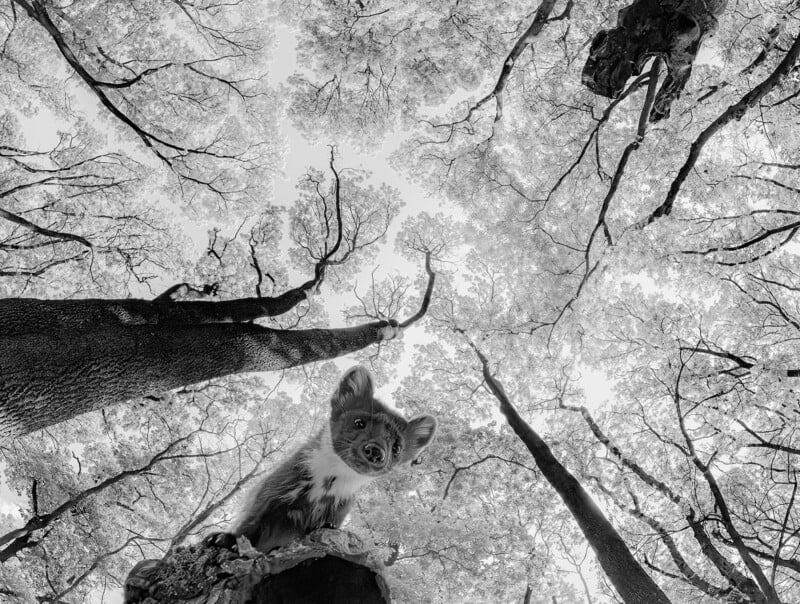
(370, 437)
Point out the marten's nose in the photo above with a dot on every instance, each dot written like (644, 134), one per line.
(374, 453)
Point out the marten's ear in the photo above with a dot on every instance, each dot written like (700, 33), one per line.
(419, 434)
(356, 383)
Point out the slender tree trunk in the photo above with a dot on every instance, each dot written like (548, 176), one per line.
(628, 577)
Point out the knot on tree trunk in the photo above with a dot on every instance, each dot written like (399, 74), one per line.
(326, 566)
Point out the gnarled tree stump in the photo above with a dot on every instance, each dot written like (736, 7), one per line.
(326, 567)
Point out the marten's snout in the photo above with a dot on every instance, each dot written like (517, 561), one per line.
(374, 453)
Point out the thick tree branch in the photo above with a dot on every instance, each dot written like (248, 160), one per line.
(426, 299)
(41, 230)
(734, 112)
(33, 316)
(792, 228)
(764, 443)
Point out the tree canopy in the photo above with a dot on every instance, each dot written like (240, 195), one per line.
(607, 201)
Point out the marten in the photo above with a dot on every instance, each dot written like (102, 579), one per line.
(315, 487)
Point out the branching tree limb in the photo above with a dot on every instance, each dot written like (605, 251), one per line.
(688, 574)
(734, 112)
(726, 568)
(635, 85)
(641, 130)
(633, 584)
(768, 592)
(458, 469)
(526, 39)
(172, 154)
(11, 217)
(16, 540)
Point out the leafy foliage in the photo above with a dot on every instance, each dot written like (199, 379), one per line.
(654, 352)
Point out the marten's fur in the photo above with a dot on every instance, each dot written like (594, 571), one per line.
(316, 486)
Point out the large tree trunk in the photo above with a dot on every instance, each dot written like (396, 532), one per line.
(29, 315)
(61, 358)
(49, 376)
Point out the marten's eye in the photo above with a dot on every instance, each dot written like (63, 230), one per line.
(360, 423)
(396, 448)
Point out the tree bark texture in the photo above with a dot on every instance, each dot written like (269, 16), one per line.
(326, 567)
(29, 315)
(59, 359)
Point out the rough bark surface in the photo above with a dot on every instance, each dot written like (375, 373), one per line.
(29, 315)
(670, 29)
(59, 359)
(327, 566)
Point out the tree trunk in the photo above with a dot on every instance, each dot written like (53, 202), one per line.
(29, 315)
(78, 356)
(628, 577)
(326, 567)
(61, 358)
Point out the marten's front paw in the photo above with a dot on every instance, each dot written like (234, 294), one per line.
(221, 540)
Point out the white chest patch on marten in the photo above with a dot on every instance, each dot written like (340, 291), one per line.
(315, 486)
